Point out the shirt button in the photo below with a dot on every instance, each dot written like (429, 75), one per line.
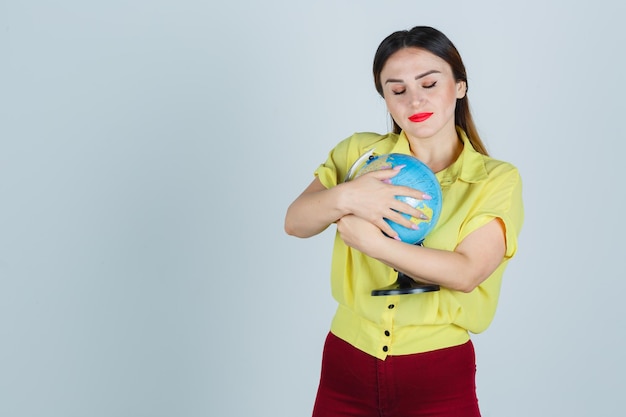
(385, 348)
(387, 333)
(390, 306)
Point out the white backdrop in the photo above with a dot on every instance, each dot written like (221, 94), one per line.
(149, 150)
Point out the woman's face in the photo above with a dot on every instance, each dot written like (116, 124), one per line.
(421, 93)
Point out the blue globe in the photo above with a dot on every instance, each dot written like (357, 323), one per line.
(416, 175)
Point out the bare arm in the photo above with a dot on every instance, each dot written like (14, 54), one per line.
(369, 197)
(463, 269)
(314, 210)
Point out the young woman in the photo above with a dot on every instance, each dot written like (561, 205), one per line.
(411, 355)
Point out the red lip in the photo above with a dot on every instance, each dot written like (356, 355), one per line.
(420, 117)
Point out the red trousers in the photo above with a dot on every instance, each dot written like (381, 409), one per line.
(438, 383)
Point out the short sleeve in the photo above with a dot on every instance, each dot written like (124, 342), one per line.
(502, 199)
(344, 154)
(327, 173)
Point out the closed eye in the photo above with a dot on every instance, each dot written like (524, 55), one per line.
(398, 92)
(430, 85)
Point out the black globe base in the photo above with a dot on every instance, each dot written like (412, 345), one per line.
(405, 285)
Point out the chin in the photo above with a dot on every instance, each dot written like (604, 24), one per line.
(423, 133)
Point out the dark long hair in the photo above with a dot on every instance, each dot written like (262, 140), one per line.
(435, 42)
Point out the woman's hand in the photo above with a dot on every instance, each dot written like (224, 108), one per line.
(371, 197)
(359, 234)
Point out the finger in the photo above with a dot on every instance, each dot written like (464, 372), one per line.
(399, 215)
(385, 175)
(409, 206)
(387, 229)
(385, 172)
(409, 223)
(402, 190)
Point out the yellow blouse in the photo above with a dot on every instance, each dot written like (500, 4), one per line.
(476, 189)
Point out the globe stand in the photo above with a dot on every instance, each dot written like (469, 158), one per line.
(405, 285)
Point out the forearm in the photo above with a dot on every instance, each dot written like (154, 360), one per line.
(314, 210)
(446, 268)
(370, 197)
(473, 260)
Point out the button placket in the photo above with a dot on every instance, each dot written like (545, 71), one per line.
(389, 318)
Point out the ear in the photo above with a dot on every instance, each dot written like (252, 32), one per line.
(461, 89)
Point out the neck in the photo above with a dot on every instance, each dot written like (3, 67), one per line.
(437, 152)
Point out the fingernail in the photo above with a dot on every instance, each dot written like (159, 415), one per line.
(387, 181)
(415, 226)
(426, 197)
(423, 216)
(399, 167)
(397, 238)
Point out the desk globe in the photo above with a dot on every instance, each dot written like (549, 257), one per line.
(417, 175)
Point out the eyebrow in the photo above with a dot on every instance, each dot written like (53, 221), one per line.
(417, 77)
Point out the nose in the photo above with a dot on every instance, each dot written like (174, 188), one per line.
(417, 97)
